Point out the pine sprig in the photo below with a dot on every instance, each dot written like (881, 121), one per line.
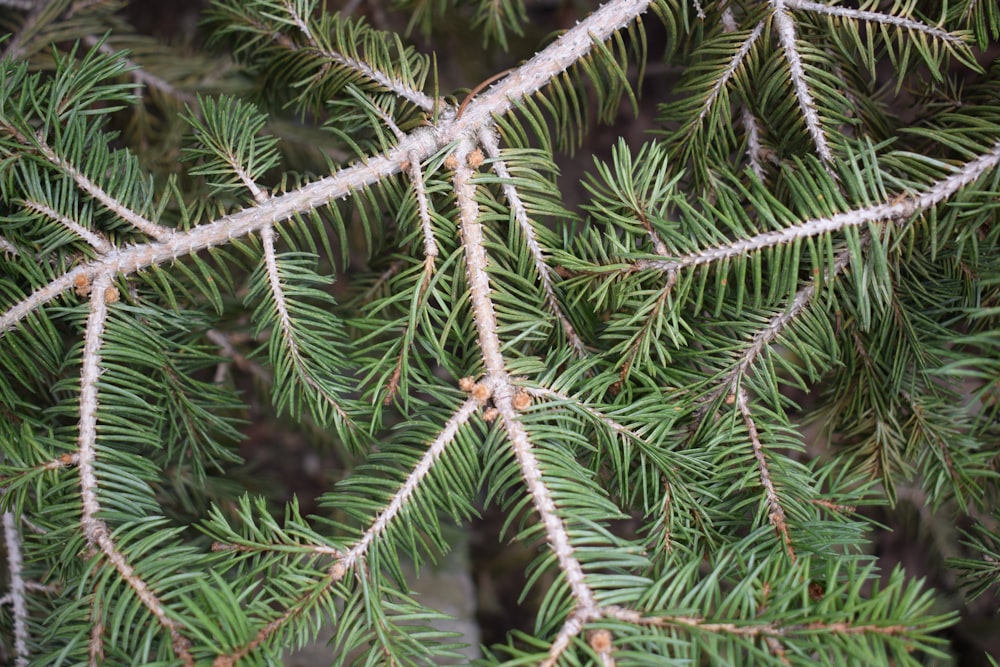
(626, 380)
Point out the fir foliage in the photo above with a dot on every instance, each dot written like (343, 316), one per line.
(777, 310)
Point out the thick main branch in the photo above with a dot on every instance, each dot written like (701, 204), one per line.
(522, 82)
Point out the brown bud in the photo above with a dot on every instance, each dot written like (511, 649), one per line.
(600, 641)
(475, 159)
(481, 393)
(82, 285)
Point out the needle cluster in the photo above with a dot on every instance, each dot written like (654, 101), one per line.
(776, 311)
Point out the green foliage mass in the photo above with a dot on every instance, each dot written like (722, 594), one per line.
(688, 394)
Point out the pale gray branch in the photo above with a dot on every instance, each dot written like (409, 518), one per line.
(785, 26)
(874, 17)
(423, 142)
(94, 528)
(900, 208)
(18, 600)
(491, 143)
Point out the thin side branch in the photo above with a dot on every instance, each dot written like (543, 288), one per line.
(424, 212)
(874, 17)
(354, 557)
(95, 239)
(750, 123)
(755, 148)
(763, 338)
(94, 528)
(491, 144)
(145, 226)
(900, 208)
(750, 630)
(775, 512)
(412, 483)
(17, 596)
(785, 25)
(734, 63)
(288, 328)
(398, 87)
(616, 427)
(430, 257)
(140, 75)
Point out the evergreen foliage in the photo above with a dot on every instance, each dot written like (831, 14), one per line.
(779, 309)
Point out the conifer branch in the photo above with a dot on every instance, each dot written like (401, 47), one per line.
(874, 17)
(396, 86)
(145, 226)
(503, 393)
(574, 466)
(658, 245)
(353, 558)
(18, 594)
(288, 331)
(650, 322)
(290, 614)
(63, 461)
(95, 530)
(775, 513)
(426, 224)
(489, 141)
(430, 257)
(734, 65)
(750, 122)
(423, 142)
(409, 487)
(95, 239)
(751, 630)
(785, 26)
(614, 426)
(898, 208)
(259, 195)
(766, 336)
(140, 75)
(755, 149)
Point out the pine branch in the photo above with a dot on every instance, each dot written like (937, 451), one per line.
(776, 513)
(489, 141)
(874, 17)
(734, 65)
(398, 87)
(503, 393)
(785, 25)
(17, 597)
(902, 207)
(422, 143)
(145, 226)
(631, 416)
(95, 530)
(750, 123)
(97, 240)
(139, 75)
